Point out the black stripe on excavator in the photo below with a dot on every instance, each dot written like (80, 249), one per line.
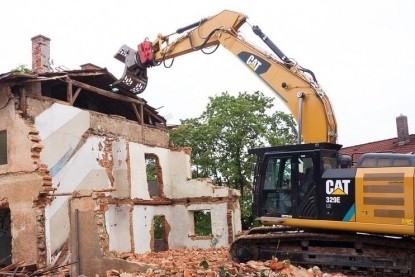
(257, 64)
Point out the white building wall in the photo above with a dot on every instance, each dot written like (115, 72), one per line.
(180, 170)
(180, 219)
(142, 224)
(73, 164)
(181, 234)
(78, 162)
(80, 172)
(120, 169)
(139, 187)
(117, 222)
(61, 128)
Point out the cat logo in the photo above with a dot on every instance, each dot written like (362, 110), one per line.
(253, 63)
(337, 187)
(256, 63)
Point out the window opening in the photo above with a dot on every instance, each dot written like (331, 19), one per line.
(202, 223)
(152, 173)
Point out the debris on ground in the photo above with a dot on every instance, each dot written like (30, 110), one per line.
(189, 262)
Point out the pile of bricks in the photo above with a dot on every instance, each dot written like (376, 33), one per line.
(211, 263)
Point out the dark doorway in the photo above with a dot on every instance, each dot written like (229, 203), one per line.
(5, 238)
(160, 233)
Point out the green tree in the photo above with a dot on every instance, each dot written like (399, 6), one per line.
(22, 69)
(221, 136)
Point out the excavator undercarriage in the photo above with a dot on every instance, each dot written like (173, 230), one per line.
(351, 253)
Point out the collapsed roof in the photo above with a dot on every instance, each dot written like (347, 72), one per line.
(90, 88)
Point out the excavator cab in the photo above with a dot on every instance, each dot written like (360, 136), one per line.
(287, 178)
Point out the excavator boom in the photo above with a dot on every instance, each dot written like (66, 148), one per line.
(296, 86)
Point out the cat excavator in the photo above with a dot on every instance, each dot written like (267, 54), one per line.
(317, 207)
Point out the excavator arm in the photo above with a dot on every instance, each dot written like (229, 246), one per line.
(322, 211)
(296, 86)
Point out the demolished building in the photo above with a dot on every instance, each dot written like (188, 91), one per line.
(87, 173)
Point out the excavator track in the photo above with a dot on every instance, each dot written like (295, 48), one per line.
(350, 253)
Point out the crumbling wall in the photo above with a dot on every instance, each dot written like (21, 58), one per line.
(74, 150)
(19, 181)
(86, 240)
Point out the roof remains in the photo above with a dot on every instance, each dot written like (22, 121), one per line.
(91, 87)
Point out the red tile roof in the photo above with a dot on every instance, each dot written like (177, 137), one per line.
(387, 145)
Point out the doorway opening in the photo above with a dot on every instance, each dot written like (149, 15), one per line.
(5, 238)
(160, 233)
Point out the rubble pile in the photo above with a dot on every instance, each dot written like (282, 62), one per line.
(211, 263)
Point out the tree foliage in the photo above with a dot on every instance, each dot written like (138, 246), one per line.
(22, 69)
(221, 136)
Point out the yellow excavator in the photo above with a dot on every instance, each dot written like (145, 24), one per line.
(318, 207)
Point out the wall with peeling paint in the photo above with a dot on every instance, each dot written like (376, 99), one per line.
(83, 151)
(19, 183)
(82, 157)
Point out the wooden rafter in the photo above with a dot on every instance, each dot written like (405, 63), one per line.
(76, 95)
(137, 114)
(106, 93)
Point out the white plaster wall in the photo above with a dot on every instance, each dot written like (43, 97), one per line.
(81, 172)
(180, 235)
(56, 221)
(142, 220)
(61, 128)
(117, 222)
(196, 188)
(180, 219)
(74, 165)
(236, 221)
(180, 167)
(119, 171)
(176, 175)
(139, 187)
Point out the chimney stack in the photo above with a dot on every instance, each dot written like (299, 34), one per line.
(402, 128)
(41, 54)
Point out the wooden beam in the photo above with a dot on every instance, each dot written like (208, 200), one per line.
(155, 115)
(137, 114)
(40, 79)
(69, 91)
(76, 95)
(142, 115)
(106, 93)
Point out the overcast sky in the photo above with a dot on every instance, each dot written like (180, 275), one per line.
(362, 52)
